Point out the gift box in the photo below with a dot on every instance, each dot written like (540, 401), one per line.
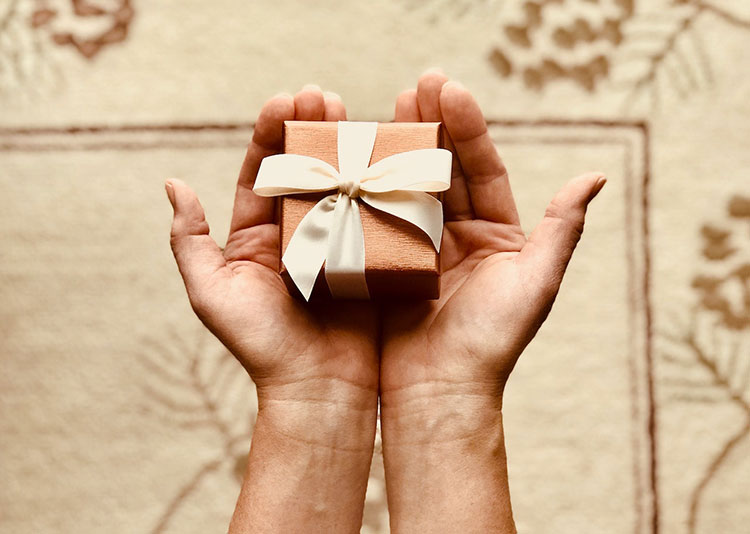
(400, 259)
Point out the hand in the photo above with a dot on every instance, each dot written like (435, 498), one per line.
(315, 365)
(445, 363)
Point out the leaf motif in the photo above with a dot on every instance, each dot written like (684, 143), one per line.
(661, 52)
(26, 64)
(705, 355)
(439, 10)
(706, 364)
(198, 384)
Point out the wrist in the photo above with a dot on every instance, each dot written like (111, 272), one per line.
(311, 446)
(437, 413)
(450, 445)
(324, 412)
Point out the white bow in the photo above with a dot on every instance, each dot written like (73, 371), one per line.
(331, 231)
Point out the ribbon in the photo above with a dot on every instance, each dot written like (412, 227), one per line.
(331, 231)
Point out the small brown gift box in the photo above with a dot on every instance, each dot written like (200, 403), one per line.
(400, 260)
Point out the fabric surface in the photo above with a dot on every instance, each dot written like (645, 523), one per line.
(119, 413)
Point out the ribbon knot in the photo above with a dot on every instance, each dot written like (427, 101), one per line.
(331, 232)
(350, 188)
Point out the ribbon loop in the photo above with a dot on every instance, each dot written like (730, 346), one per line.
(331, 232)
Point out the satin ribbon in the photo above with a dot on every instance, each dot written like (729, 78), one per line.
(331, 231)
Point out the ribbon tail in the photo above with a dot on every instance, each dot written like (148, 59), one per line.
(306, 251)
(419, 208)
(345, 259)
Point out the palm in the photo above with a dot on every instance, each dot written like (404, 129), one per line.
(497, 286)
(239, 294)
(481, 289)
(290, 338)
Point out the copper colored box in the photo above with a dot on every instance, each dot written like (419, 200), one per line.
(400, 260)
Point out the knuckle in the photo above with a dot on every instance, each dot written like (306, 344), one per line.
(174, 242)
(571, 218)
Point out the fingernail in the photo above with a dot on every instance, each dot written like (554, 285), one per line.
(170, 193)
(598, 186)
(282, 94)
(311, 87)
(332, 95)
(456, 84)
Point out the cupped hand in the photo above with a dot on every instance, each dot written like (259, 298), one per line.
(293, 351)
(498, 285)
(444, 363)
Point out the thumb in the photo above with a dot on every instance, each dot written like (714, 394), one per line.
(551, 244)
(198, 256)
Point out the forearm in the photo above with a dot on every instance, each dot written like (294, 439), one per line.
(309, 463)
(445, 462)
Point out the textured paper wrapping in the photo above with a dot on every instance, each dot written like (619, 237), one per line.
(400, 260)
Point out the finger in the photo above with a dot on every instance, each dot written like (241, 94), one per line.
(334, 107)
(551, 244)
(198, 256)
(407, 108)
(428, 94)
(309, 104)
(250, 209)
(484, 172)
(456, 200)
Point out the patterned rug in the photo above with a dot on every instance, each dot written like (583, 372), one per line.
(119, 413)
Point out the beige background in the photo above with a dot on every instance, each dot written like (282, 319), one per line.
(630, 412)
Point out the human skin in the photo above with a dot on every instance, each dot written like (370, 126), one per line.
(445, 363)
(315, 365)
(440, 367)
